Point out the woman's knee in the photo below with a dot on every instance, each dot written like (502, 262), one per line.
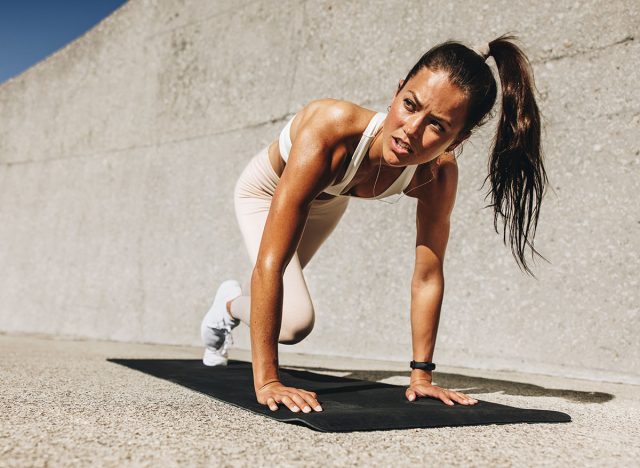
(291, 337)
(294, 331)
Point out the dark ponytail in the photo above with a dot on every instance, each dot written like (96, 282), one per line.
(516, 171)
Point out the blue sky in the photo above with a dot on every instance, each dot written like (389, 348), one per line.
(31, 30)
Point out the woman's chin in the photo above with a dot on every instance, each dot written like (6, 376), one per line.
(393, 160)
(398, 162)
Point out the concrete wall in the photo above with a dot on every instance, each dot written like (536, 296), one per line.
(118, 156)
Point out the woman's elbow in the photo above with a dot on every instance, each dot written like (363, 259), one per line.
(434, 278)
(268, 266)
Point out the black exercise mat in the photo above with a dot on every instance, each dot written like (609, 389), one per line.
(348, 404)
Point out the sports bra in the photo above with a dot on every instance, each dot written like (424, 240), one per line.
(336, 189)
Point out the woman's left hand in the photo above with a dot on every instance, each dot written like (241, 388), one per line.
(424, 388)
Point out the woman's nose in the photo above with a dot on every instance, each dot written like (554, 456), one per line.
(412, 127)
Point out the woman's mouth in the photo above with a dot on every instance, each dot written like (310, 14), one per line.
(399, 146)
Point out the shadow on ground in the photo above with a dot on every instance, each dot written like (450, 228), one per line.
(476, 385)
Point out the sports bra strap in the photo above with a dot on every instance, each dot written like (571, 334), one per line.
(358, 154)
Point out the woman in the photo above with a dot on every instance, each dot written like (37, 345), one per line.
(292, 194)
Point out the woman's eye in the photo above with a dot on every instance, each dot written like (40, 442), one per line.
(438, 126)
(409, 104)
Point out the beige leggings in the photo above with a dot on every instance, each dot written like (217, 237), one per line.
(252, 199)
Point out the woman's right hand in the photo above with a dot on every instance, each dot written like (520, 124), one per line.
(294, 398)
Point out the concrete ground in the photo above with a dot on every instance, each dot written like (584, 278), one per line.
(64, 404)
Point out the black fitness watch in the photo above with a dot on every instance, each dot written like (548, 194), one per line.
(429, 366)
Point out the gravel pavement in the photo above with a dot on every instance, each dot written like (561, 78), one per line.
(64, 404)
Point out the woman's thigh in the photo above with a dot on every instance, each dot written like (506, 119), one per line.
(252, 200)
(252, 197)
(323, 218)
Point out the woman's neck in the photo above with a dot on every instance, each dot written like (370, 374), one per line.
(374, 154)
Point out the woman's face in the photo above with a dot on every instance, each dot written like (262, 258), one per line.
(428, 113)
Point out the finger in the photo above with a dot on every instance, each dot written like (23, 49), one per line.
(286, 399)
(443, 396)
(453, 396)
(458, 397)
(301, 402)
(311, 400)
(271, 403)
(313, 394)
(434, 392)
(470, 399)
(411, 395)
(467, 400)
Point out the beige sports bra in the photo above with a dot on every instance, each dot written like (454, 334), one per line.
(336, 189)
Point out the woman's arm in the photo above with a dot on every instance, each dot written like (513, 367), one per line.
(307, 173)
(427, 285)
(433, 213)
(302, 179)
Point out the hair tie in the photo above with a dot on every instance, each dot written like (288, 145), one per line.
(483, 50)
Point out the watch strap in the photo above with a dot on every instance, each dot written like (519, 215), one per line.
(429, 366)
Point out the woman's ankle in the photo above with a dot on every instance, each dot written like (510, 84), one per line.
(229, 308)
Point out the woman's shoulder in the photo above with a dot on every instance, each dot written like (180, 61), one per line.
(437, 179)
(332, 120)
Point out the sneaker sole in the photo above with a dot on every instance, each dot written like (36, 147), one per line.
(212, 359)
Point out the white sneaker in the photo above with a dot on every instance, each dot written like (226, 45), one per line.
(217, 325)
